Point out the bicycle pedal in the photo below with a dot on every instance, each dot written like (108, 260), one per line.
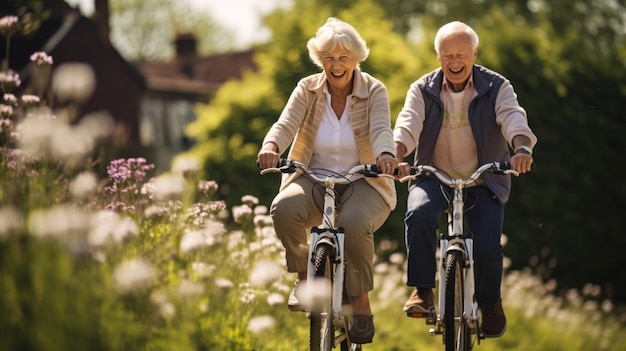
(417, 314)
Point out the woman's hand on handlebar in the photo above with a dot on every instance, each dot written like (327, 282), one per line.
(386, 163)
(268, 157)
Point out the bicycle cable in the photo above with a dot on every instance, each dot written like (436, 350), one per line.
(322, 190)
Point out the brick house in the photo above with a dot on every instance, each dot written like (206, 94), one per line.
(175, 87)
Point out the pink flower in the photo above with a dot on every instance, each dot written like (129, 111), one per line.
(41, 58)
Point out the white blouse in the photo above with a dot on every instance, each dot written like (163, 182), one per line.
(334, 148)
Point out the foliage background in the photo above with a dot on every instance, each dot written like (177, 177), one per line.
(566, 60)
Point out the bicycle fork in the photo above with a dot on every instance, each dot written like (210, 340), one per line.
(335, 239)
(328, 235)
(458, 241)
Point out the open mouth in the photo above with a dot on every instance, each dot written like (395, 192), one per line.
(456, 70)
(338, 75)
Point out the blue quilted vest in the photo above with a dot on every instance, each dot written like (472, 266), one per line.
(490, 143)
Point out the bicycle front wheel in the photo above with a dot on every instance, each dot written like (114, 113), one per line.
(322, 332)
(456, 331)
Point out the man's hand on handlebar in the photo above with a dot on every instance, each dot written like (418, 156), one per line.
(404, 169)
(521, 162)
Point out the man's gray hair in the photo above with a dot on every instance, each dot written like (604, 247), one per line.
(455, 27)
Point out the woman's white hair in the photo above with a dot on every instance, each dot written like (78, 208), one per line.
(336, 33)
(455, 27)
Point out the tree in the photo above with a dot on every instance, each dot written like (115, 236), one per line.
(143, 30)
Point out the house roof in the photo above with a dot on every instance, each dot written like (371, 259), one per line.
(196, 77)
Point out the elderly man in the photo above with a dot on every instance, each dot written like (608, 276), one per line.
(456, 118)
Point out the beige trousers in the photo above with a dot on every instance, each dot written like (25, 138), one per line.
(361, 212)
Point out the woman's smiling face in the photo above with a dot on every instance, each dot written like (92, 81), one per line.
(457, 56)
(339, 66)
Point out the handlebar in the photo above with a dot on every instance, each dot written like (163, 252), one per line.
(501, 168)
(291, 166)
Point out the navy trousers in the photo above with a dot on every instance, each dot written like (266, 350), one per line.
(484, 216)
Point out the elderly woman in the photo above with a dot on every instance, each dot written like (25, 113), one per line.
(335, 120)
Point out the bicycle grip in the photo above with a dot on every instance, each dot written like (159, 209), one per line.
(375, 169)
(281, 162)
(507, 165)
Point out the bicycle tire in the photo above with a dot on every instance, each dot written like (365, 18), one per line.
(456, 331)
(322, 332)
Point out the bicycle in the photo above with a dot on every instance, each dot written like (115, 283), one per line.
(456, 317)
(329, 322)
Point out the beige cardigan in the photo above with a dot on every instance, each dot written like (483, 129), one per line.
(369, 115)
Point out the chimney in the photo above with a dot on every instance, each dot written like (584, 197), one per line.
(101, 17)
(185, 44)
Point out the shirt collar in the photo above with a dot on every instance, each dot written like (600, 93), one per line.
(470, 83)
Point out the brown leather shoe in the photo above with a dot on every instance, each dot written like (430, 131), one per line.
(420, 301)
(362, 330)
(494, 320)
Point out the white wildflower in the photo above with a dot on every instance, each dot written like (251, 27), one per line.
(109, 227)
(97, 125)
(133, 275)
(224, 283)
(210, 235)
(396, 258)
(168, 187)
(186, 166)
(188, 288)
(191, 241)
(41, 58)
(74, 82)
(261, 220)
(250, 200)
(214, 231)
(83, 185)
(208, 187)
(10, 220)
(260, 210)
(202, 269)
(60, 221)
(167, 311)
(8, 25)
(259, 324)
(6, 110)
(242, 213)
(265, 273)
(71, 144)
(29, 99)
(154, 211)
(281, 286)
(248, 296)
(10, 99)
(275, 299)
